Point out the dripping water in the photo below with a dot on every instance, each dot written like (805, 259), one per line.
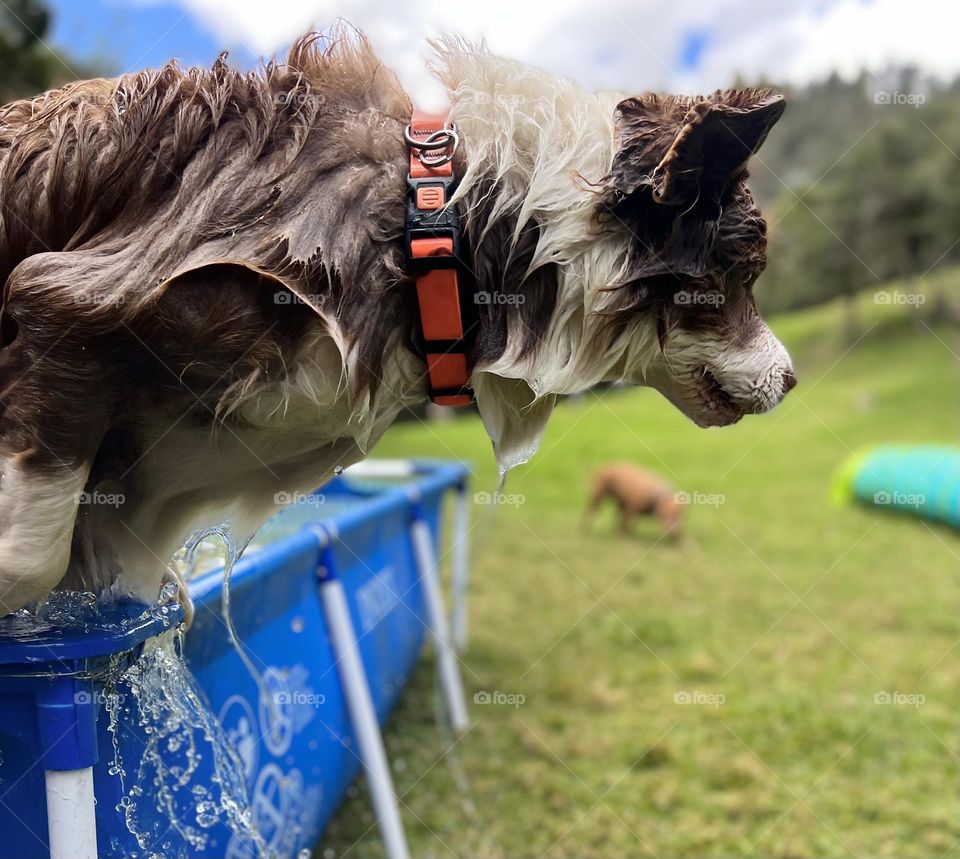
(232, 550)
(112, 702)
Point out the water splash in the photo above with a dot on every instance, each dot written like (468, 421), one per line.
(189, 778)
(59, 610)
(182, 783)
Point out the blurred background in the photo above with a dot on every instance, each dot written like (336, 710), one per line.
(782, 680)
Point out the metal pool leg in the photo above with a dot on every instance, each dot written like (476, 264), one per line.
(450, 678)
(363, 716)
(461, 570)
(71, 815)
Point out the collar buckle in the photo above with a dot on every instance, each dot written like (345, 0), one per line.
(438, 149)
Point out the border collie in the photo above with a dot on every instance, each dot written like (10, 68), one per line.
(206, 301)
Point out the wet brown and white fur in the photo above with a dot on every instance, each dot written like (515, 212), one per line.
(205, 301)
(636, 492)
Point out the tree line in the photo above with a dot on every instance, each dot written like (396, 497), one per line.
(858, 182)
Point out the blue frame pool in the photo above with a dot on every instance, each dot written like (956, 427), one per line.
(293, 736)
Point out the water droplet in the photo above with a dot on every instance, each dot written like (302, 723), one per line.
(208, 814)
(169, 593)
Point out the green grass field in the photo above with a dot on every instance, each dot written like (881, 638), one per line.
(781, 616)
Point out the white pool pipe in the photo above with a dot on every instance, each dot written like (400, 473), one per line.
(373, 469)
(461, 571)
(363, 718)
(71, 814)
(450, 680)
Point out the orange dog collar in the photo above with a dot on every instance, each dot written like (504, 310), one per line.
(433, 243)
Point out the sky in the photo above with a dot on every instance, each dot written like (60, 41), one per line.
(627, 45)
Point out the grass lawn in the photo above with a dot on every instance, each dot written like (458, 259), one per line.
(780, 616)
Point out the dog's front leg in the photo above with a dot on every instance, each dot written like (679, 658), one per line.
(55, 400)
(38, 508)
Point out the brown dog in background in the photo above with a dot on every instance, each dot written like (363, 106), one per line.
(637, 493)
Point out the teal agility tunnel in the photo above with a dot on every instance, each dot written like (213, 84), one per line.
(920, 480)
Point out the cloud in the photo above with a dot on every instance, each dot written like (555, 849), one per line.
(627, 45)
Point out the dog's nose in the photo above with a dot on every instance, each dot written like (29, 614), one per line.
(789, 381)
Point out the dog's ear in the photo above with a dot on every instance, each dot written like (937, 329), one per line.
(716, 138)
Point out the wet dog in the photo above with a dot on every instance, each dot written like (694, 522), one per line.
(636, 492)
(206, 304)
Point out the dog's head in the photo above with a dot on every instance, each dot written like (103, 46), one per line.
(643, 275)
(676, 193)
